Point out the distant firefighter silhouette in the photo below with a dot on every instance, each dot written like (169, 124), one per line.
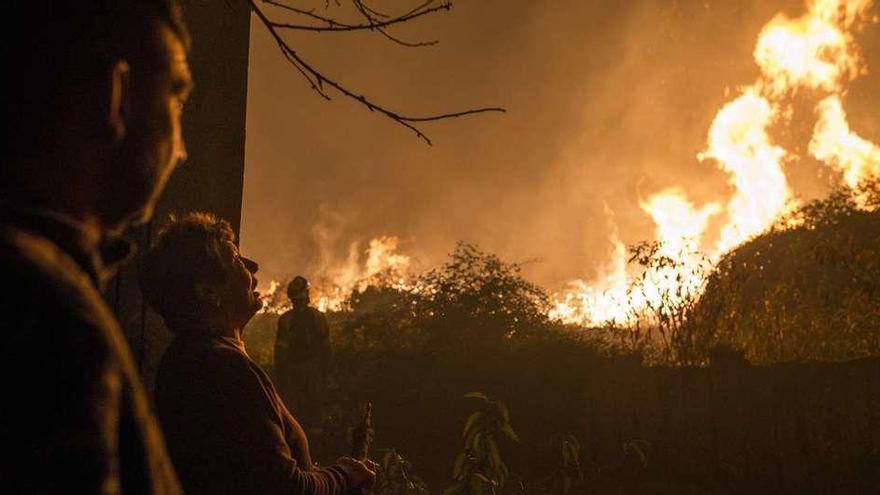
(302, 356)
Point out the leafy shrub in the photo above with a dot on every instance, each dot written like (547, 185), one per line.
(479, 469)
(803, 293)
(394, 477)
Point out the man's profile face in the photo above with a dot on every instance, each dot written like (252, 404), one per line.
(154, 145)
(240, 299)
(172, 94)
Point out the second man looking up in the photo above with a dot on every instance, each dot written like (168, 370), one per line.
(227, 429)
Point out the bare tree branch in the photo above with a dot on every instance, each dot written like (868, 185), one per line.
(334, 25)
(318, 80)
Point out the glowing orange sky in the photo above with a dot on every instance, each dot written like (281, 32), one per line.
(606, 104)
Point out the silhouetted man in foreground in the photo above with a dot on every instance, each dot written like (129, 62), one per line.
(302, 356)
(91, 101)
(228, 430)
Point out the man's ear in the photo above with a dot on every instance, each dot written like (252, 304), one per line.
(119, 104)
(208, 295)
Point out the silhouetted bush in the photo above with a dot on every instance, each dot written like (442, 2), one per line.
(804, 293)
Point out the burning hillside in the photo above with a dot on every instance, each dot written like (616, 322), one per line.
(812, 57)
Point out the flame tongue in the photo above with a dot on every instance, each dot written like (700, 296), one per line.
(814, 51)
(836, 145)
(679, 224)
(739, 142)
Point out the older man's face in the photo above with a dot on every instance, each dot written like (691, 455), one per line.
(240, 299)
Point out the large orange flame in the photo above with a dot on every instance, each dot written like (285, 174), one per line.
(816, 51)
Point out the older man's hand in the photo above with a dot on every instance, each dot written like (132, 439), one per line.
(360, 474)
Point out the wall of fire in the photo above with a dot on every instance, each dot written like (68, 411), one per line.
(212, 178)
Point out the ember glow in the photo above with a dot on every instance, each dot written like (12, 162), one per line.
(383, 264)
(679, 226)
(814, 52)
(380, 263)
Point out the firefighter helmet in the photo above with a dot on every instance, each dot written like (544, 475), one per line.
(298, 288)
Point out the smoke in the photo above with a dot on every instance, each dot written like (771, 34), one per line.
(609, 103)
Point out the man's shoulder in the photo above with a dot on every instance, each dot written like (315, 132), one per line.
(48, 292)
(202, 357)
(318, 317)
(307, 313)
(40, 264)
(206, 370)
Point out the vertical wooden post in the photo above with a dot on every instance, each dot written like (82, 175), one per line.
(212, 179)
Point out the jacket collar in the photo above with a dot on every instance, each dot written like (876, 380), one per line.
(97, 253)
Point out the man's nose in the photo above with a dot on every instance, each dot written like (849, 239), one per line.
(182, 154)
(251, 265)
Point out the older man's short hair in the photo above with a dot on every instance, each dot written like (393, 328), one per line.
(187, 252)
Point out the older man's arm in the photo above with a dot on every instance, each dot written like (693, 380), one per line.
(256, 431)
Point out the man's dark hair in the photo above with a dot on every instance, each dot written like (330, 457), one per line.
(187, 251)
(59, 51)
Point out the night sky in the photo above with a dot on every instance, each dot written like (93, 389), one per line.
(608, 102)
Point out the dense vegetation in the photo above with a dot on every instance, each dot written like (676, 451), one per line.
(794, 294)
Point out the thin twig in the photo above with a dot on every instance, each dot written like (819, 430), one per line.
(376, 23)
(408, 44)
(380, 14)
(333, 25)
(308, 13)
(420, 7)
(366, 11)
(316, 83)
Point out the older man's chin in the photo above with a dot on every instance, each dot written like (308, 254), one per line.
(256, 305)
